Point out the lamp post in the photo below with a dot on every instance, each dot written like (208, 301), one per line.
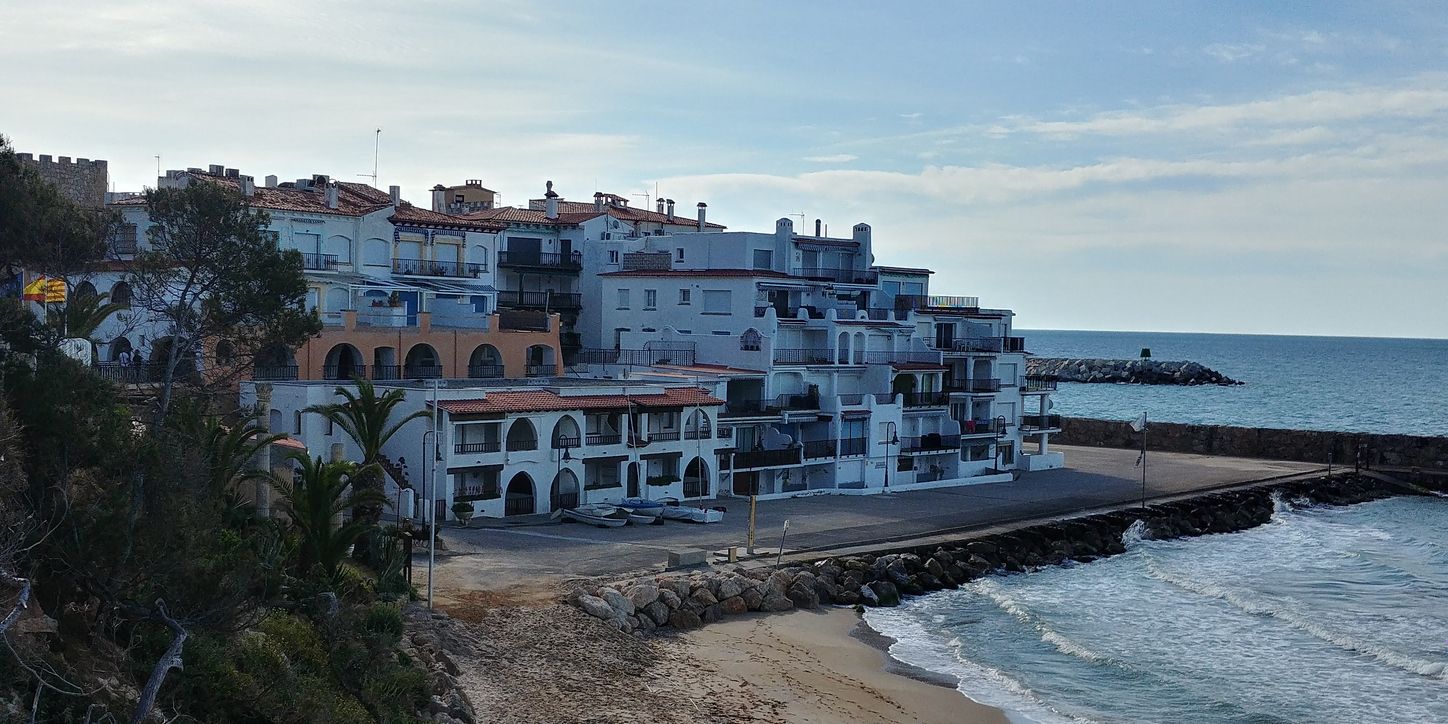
(1000, 424)
(894, 439)
(564, 458)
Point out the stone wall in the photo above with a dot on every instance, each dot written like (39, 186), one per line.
(1314, 446)
(1126, 371)
(83, 181)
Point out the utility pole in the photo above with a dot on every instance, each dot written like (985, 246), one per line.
(432, 494)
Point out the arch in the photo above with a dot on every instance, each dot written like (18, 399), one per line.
(698, 426)
(121, 294)
(566, 434)
(564, 493)
(225, 352)
(376, 252)
(83, 290)
(275, 422)
(859, 348)
(842, 349)
(422, 361)
(522, 435)
(541, 361)
(903, 384)
(343, 362)
(696, 479)
(485, 362)
(751, 340)
(518, 500)
(478, 254)
(633, 480)
(118, 346)
(337, 299)
(340, 247)
(185, 359)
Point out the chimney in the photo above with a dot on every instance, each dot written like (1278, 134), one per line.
(550, 203)
(216, 169)
(248, 185)
(331, 195)
(271, 181)
(439, 199)
(669, 209)
(598, 201)
(817, 227)
(395, 192)
(660, 204)
(703, 207)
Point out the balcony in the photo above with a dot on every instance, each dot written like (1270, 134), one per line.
(819, 449)
(981, 428)
(547, 261)
(540, 300)
(477, 448)
(319, 262)
(544, 370)
(603, 438)
(663, 436)
(929, 443)
(123, 246)
(841, 276)
(1037, 423)
(936, 301)
(485, 372)
(639, 357)
(565, 442)
(803, 357)
(744, 408)
(987, 345)
(1013, 344)
(515, 320)
(700, 433)
(765, 458)
(979, 386)
(131, 374)
(437, 268)
(796, 402)
(275, 373)
(904, 356)
(1040, 383)
(344, 372)
(927, 399)
(853, 446)
(406, 372)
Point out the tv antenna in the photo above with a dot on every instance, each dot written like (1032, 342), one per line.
(376, 147)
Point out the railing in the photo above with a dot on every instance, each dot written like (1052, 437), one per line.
(565, 442)
(564, 501)
(274, 372)
(549, 300)
(981, 385)
(132, 373)
(976, 344)
(437, 268)
(522, 321)
(904, 356)
(1040, 383)
(841, 276)
(885, 315)
(487, 446)
(603, 438)
(518, 505)
(640, 357)
(467, 493)
(664, 436)
(935, 301)
(123, 246)
(426, 372)
(766, 458)
(927, 399)
(344, 372)
(1040, 422)
(700, 433)
(743, 408)
(980, 427)
(929, 442)
(545, 260)
(797, 402)
(545, 370)
(319, 262)
(853, 446)
(485, 372)
(884, 398)
(816, 449)
(802, 357)
(852, 400)
(522, 444)
(1013, 344)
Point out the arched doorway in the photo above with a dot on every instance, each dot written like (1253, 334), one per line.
(121, 294)
(633, 480)
(540, 361)
(485, 362)
(422, 361)
(696, 479)
(118, 346)
(343, 362)
(565, 434)
(903, 384)
(565, 491)
(519, 498)
(698, 426)
(84, 290)
(842, 348)
(522, 436)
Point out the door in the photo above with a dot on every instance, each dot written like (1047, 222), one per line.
(633, 480)
(944, 336)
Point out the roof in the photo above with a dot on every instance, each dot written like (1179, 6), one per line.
(902, 269)
(715, 369)
(549, 401)
(515, 215)
(918, 366)
(825, 241)
(734, 273)
(408, 214)
(629, 213)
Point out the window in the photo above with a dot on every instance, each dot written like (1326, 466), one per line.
(296, 422)
(763, 258)
(683, 296)
(718, 301)
(457, 198)
(623, 299)
(651, 298)
(331, 427)
(679, 254)
(750, 340)
(612, 257)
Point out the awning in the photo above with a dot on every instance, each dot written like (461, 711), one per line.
(854, 414)
(441, 287)
(661, 456)
(604, 459)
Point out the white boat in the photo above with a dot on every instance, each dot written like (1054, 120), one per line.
(644, 516)
(603, 516)
(693, 514)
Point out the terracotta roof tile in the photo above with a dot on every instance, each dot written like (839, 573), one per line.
(549, 401)
(629, 213)
(409, 214)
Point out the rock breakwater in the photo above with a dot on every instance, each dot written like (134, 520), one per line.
(645, 604)
(1131, 371)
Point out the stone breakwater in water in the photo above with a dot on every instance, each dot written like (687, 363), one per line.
(1131, 371)
(645, 604)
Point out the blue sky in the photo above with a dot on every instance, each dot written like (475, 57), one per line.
(1226, 167)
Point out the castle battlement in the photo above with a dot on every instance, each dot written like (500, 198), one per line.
(81, 180)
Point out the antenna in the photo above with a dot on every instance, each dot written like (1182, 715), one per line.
(648, 200)
(376, 148)
(800, 214)
(158, 167)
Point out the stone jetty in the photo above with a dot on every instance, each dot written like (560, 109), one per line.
(1131, 371)
(685, 601)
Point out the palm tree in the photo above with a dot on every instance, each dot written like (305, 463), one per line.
(82, 314)
(366, 418)
(228, 450)
(315, 497)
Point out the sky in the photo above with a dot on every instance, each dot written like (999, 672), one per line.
(1239, 167)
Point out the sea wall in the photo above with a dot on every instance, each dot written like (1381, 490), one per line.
(1132, 371)
(645, 604)
(1314, 446)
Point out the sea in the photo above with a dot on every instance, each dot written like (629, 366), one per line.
(1326, 614)
(1349, 384)
(1322, 615)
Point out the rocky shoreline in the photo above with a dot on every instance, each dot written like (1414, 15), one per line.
(1133, 371)
(646, 604)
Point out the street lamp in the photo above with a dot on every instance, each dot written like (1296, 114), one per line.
(1000, 424)
(894, 439)
(564, 458)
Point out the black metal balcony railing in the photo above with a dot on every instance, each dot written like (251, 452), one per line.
(817, 449)
(471, 448)
(319, 262)
(905, 356)
(1013, 344)
(540, 300)
(123, 246)
(344, 372)
(980, 427)
(796, 402)
(926, 443)
(437, 268)
(274, 372)
(664, 436)
(485, 372)
(744, 408)
(984, 385)
(975, 344)
(603, 438)
(1040, 383)
(1040, 422)
(542, 260)
(853, 446)
(565, 442)
(700, 433)
(725, 433)
(476, 491)
(766, 458)
(927, 399)
(544, 370)
(132, 373)
(640, 357)
(841, 276)
(802, 357)
(406, 372)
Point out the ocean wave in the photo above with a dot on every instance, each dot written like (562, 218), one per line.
(998, 596)
(1304, 623)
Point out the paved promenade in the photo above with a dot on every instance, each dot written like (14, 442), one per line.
(1096, 478)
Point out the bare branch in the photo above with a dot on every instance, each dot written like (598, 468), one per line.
(170, 660)
(20, 604)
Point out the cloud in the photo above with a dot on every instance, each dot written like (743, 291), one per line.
(1233, 52)
(832, 158)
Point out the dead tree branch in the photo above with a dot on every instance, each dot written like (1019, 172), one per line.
(20, 605)
(170, 660)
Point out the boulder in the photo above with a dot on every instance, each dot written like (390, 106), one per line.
(617, 600)
(934, 568)
(712, 614)
(729, 588)
(868, 597)
(775, 601)
(734, 605)
(643, 594)
(753, 598)
(658, 612)
(803, 596)
(826, 591)
(596, 607)
(885, 592)
(670, 599)
(848, 598)
(685, 620)
(703, 598)
(896, 573)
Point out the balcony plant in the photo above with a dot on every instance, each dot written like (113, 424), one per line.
(662, 480)
(463, 511)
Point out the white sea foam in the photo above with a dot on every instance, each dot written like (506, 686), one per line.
(1134, 534)
(992, 590)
